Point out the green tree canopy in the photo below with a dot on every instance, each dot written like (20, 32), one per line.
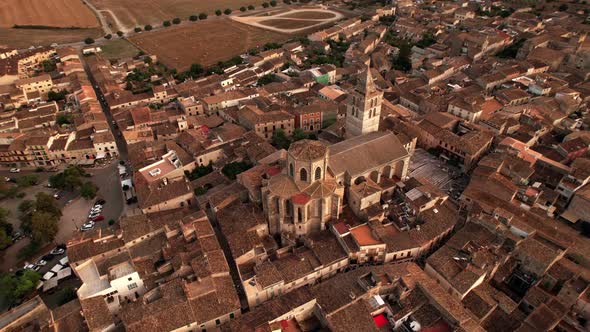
(88, 190)
(44, 226)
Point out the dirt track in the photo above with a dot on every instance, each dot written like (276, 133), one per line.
(290, 25)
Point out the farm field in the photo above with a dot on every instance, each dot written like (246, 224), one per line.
(205, 42)
(53, 13)
(23, 38)
(132, 13)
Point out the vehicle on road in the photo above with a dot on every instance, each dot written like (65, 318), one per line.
(58, 194)
(42, 262)
(100, 202)
(33, 267)
(57, 251)
(15, 170)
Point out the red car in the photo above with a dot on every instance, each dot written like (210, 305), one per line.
(98, 218)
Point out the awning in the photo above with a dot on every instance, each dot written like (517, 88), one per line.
(56, 268)
(48, 275)
(49, 284)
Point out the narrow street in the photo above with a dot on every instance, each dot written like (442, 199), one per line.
(233, 268)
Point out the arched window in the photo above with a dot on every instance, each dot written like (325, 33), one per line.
(318, 173)
(303, 174)
(291, 170)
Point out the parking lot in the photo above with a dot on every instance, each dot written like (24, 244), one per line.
(446, 177)
(75, 209)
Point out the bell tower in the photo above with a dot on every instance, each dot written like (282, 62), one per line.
(363, 107)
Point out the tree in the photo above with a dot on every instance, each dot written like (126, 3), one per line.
(273, 3)
(166, 23)
(280, 140)
(242, 9)
(218, 12)
(66, 295)
(193, 18)
(5, 239)
(137, 29)
(120, 33)
(176, 20)
(63, 119)
(109, 36)
(148, 27)
(299, 134)
(231, 170)
(266, 79)
(26, 206)
(89, 41)
(271, 46)
(48, 66)
(227, 11)
(563, 7)
(265, 4)
(46, 203)
(28, 180)
(56, 96)
(13, 288)
(88, 190)
(43, 226)
(202, 16)
(287, 2)
(251, 7)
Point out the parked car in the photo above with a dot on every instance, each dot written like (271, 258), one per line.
(57, 251)
(42, 262)
(98, 218)
(93, 215)
(58, 194)
(33, 267)
(15, 170)
(87, 226)
(100, 202)
(17, 236)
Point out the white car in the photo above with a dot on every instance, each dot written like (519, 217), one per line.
(87, 226)
(15, 170)
(33, 267)
(93, 215)
(96, 209)
(57, 251)
(41, 262)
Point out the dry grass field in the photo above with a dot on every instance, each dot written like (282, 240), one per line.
(54, 13)
(288, 24)
(310, 15)
(133, 13)
(206, 42)
(23, 38)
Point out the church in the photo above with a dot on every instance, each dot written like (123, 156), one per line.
(310, 185)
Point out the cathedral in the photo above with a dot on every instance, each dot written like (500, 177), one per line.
(314, 179)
